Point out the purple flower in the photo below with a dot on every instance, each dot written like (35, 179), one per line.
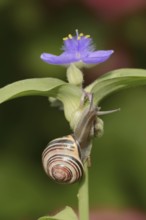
(79, 50)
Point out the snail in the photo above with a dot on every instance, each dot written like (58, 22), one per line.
(62, 160)
(63, 157)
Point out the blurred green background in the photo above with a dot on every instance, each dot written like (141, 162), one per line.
(118, 172)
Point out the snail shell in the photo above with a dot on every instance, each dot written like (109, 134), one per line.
(61, 160)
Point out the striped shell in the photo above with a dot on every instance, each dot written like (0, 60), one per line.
(61, 160)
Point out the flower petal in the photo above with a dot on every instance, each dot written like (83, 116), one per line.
(97, 56)
(63, 59)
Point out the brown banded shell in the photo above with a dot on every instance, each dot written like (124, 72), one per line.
(61, 160)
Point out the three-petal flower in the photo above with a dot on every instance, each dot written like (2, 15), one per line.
(78, 49)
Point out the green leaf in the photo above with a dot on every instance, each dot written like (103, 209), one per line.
(68, 94)
(28, 87)
(116, 80)
(65, 214)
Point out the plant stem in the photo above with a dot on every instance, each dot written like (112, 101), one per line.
(83, 196)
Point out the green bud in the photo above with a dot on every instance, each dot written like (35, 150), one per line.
(74, 75)
(99, 127)
(55, 103)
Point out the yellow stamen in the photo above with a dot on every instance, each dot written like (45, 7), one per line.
(65, 38)
(81, 34)
(87, 36)
(78, 38)
(70, 36)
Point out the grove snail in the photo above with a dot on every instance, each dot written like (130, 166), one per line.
(63, 157)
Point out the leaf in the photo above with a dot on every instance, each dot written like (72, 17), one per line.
(68, 94)
(116, 80)
(28, 87)
(65, 214)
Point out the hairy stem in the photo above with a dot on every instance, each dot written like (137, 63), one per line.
(83, 196)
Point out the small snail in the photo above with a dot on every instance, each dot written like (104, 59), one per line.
(63, 157)
(62, 160)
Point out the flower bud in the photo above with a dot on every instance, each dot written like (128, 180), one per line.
(54, 102)
(99, 127)
(74, 75)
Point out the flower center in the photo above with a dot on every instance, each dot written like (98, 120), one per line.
(78, 45)
(77, 37)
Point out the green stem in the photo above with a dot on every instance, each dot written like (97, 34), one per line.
(83, 196)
